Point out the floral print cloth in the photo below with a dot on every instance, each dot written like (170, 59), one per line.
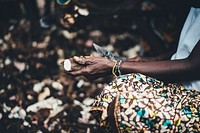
(138, 103)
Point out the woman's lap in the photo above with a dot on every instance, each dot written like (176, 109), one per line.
(135, 102)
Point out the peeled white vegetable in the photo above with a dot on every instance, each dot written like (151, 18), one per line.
(67, 65)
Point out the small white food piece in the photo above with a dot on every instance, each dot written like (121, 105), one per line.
(67, 65)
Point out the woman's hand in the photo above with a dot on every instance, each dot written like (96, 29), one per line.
(93, 67)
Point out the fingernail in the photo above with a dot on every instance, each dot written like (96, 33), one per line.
(62, 63)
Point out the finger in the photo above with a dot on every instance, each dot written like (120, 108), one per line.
(79, 72)
(91, 55)
(79, 60)
(86, 60)
(88, 56)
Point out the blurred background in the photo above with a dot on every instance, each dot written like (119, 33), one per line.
(36, 95)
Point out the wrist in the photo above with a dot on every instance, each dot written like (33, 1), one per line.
(116, 69)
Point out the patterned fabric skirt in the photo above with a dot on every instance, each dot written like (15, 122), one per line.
(138, 103)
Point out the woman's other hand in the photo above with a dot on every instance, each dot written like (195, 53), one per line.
(94, 67)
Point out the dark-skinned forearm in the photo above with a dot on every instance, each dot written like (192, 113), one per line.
(175, 70)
